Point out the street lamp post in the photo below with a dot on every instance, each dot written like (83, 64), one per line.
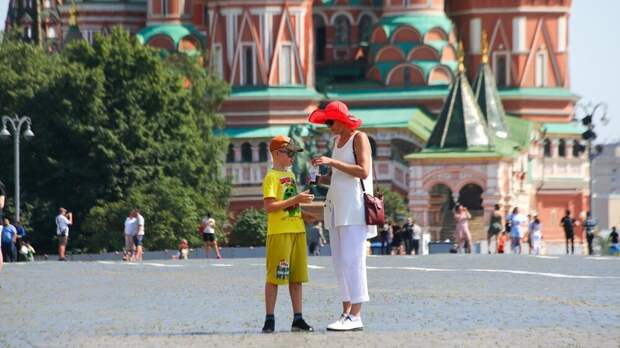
(591, 112)
(16, 124)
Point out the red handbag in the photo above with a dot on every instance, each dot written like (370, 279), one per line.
(373, 205)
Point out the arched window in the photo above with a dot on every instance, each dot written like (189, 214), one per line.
(320, 38)
(262, 152)
(230, 155)
(343, 30)
(562, 148)
(576, 148)
(373, 147)
(246, 152)
(547, 148)
(365, 29)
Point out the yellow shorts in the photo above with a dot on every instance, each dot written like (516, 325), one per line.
(286, 258)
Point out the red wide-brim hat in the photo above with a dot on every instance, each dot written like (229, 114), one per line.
(335, 111)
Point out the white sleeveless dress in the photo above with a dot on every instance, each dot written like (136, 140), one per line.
(344, 204)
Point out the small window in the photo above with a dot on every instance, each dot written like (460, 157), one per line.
(164, 7)
(343, 30)
(541, 69)
(230, 155)
(248, 76)
(286, 65)
(501, 70)
(246, 152)
(320, 38)
(262, 152)
(547, 148)
(218, 61)
(576, 148)
(364, 30)
(562, 148)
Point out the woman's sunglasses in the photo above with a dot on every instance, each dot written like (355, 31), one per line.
(329, 123)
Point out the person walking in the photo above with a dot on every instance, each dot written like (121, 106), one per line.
(568, 224)
(535, 235)
(129, 231)
(208, 236)
(496, 225)
(351, 176)
(417, 235)
(386, 239)
(286, 259)
(614, 248)
(518, 222)
(138, 238)
(9, 238)
(589, 225)
(316, 238)
(64, 219)
(463, 235)
(408, 236)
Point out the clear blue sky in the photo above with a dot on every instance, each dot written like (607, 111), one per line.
(594, 53)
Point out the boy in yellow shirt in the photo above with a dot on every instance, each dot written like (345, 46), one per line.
(286, 258)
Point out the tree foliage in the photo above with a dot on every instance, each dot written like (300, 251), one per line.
(395, 206)
(250, 228)
(117, 126)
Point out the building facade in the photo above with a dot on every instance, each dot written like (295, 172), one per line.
(396, 63)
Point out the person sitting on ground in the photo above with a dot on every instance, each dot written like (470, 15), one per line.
(183, 250)
(614, 249)
(26, 250)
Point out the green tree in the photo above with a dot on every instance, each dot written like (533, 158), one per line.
(250, 228)
(112, 120)
(395, 205)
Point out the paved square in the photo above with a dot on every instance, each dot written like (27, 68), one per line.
(438, 300)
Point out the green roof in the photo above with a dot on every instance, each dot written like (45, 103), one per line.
(453, 153)
(460, 124)
(351, 93)
(256, 132)
(573, 128)
(174, 31)
(415, 119)
(280, 92)
(422, 23)
(537, 92)
(489, 101)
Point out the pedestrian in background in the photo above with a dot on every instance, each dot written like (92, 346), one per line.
(207, 229)
(408, 236)
(518, 222)
(589, 225)
(463, 235)
(568, 224)
(530, 220)
(9, 237)
(316, 238)
(397, 240)
(129, 231)
(417, 235)
(614, 249)
(496, 226)
(386, 239)
(64, 219)
(535, 235)
(2, 198)
(139, 234)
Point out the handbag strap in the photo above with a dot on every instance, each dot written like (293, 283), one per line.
(374, 173)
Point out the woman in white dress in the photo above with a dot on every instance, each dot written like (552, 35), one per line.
(344, 209)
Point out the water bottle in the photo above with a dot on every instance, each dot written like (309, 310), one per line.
(313, 175)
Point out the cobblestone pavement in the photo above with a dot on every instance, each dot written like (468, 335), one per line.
(438, 300)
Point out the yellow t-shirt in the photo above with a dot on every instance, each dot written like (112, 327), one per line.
(281, 186)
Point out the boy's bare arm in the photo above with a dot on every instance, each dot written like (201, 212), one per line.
(272, 205)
